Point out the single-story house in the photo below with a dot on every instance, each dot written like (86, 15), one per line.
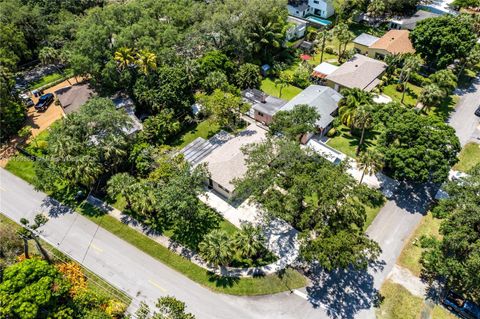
(264, 106)
(321, 71)
(324, 100)
(363, 42)
(301, 9)
(227, 161)
(359, 72)
(297, 28)
(409, 23)
(393, 42)
(122, 101)
(71, 98)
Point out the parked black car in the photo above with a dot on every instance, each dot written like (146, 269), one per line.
(477, 112)
(44, 102)
(464, 308)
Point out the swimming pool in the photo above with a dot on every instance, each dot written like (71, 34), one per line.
(318, 20)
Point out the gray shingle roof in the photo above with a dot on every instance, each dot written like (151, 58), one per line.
(366, 39)
(358, 72)
(322, 98)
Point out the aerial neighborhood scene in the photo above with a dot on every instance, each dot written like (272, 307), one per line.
(219, 159)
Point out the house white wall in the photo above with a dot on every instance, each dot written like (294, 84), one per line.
(297, 11)
(322, 8)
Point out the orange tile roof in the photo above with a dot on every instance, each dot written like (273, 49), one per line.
(395, 41)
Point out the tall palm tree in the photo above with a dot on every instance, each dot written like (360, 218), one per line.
(322, 38)
(352, 99)
(122, 184)
(146, 61)
(411, 64)
(282, 82)
(49, 55)
(216, 248)
(431, 95)
(343, 35)
(249, 241)
(370, 162)
(362, 119)
(124, 58)
(267, 36)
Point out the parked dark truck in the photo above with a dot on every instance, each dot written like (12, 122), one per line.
(44, 101)
(464, 308)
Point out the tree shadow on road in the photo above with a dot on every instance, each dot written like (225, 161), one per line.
(54, 208)
(343, 292)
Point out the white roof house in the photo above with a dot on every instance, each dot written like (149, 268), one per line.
(324, 69)
(365, 39)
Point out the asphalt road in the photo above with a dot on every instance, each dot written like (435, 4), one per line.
(463, 119)
(346, 294)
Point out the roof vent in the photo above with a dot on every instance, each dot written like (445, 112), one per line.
(356, 65)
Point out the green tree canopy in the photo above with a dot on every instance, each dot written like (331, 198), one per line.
(416, 148)
(296, 122)
(167, 308)
(443, 39)
(456, 257)
(314, 196)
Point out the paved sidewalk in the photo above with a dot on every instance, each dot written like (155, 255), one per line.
(408, 280)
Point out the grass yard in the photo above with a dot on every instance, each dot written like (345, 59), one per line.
(469, 157)
(57, 76)
(291, 279)
(445, 108)
(204, 129)
(347, 143)
(411, 253)
(399, 303)
(411, 95)
(372, 212)
(94, 282)
(22, 167)
(288, 93)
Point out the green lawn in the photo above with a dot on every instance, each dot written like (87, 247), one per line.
(399, 303)
(411, 253)
(347, 143)
(291, 279)
(445, 108)
(468, 157)
(372, 212)
(22, 167)
(205, 129)
(288, 93)
(94, 282)
(57, 76)
(411, 95)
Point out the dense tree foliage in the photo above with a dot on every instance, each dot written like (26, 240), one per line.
(313, 195)
(416, 148)
(85, 146)
(12, 111)
(443, 39)
(295, 123)
(456, 257)
(166, 308)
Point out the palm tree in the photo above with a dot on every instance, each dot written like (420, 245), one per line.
(362, 119)
(322, 38)
(431, 95)
(343, 35)
(266, 36)
(216, 248)
(249, 241)
(411, 64)
(146, 61)
(49, 55)
(282, 82)
(352, 99)
(122, 184)
(370, 162)
(124, 58)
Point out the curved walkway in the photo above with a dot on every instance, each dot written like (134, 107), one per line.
(281, 238)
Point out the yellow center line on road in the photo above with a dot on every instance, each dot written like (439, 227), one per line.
(100, 250)
(157, 285)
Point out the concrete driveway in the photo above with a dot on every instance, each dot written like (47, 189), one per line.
(463, 119)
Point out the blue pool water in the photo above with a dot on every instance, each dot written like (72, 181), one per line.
(318, 20)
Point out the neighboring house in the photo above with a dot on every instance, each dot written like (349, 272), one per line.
(393, 42)
(321, 71)
(363, 42)
(359, 72)
(71, 98)
(264, 106)
(321, 8)
(324, 100)
(296, 29)
(227, 162)
(123, 101)
(409, 23)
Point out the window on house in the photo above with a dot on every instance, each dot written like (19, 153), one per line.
(260, 113)
(223, 188)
